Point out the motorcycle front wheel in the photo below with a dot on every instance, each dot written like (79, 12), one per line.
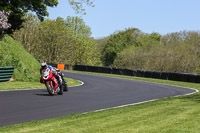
(50, 88)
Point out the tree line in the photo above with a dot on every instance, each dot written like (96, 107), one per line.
(65, 41)
(133, 49)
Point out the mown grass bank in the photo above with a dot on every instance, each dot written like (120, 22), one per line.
(169, 115)
(12, 53)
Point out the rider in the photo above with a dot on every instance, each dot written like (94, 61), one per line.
(44, 66)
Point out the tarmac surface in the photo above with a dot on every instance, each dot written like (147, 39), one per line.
(97, 92)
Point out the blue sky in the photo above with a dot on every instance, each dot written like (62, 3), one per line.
(162, 16)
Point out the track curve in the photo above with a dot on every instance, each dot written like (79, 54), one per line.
(98, 92)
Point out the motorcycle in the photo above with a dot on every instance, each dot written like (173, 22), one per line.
(49, 81)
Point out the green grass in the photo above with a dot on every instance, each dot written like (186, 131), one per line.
(31, 85)
(169, 115)
(12, 53)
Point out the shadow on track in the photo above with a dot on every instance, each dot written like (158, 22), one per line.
(42, 94)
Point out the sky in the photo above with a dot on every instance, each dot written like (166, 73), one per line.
(109, 16)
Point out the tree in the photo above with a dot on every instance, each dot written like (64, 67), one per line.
(84, 48)
(78, 26)
(18, 9)
(77, 5)
(118, 42)
(28, 34)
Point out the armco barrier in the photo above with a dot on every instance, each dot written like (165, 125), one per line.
(115, 70)
(191, 78)
(185, 77)
(105, 70)
(156, 75)
(121, 71)
(164, 75)
(148, 74)
(92, 69)
(140, 73)
(130, 72)
(197, 79)
(6, 73)
(80, 67)
(177, 76)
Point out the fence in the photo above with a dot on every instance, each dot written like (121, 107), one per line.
(6, 73)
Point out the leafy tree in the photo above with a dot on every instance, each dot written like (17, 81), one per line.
(28, 35)
(100, 44)
(84, 48)
(18, 9)
(78, 26)
(55, 42)
(118, 42)
(77, 5)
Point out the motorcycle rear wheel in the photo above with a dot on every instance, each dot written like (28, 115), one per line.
(61, 90)
(65, 86)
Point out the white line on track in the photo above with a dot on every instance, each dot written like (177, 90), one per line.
(195, 91)
(141, 102)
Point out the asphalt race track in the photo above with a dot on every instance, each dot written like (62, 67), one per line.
(98, 92)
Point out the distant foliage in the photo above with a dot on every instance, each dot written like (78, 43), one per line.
(175, 52)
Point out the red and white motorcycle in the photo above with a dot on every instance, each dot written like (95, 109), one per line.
(50, 82)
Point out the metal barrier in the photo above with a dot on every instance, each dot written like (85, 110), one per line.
(6, 73)
(185, 77)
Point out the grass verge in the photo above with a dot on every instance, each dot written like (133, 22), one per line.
(169, 115)
(13, 85)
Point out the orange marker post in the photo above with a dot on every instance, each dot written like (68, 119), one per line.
(61, 66)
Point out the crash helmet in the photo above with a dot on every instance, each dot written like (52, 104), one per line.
(44, 64)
